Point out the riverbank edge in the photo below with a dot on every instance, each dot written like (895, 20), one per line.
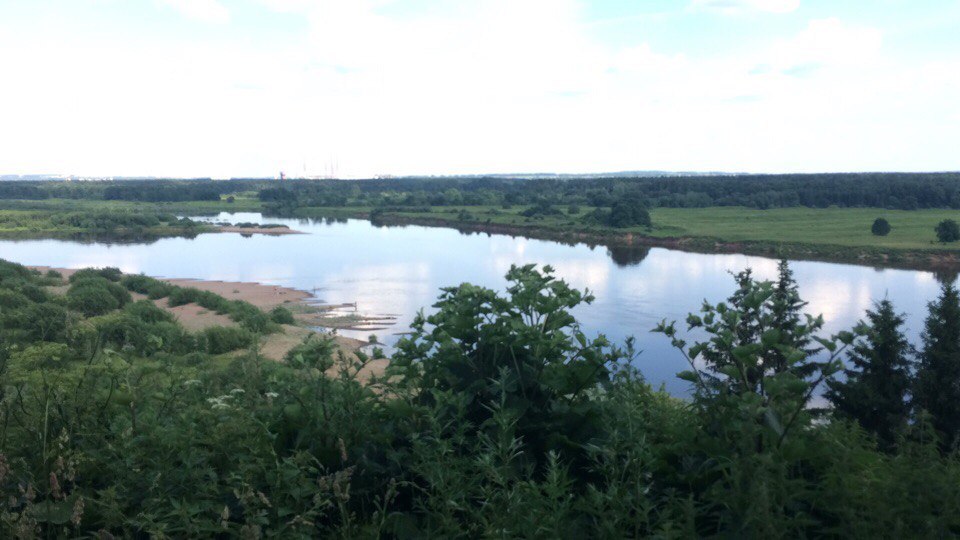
(306, 309)
(150, 233)
(911, 259)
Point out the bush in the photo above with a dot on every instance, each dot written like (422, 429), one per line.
(148, 312)
(108, 273)
(91, 302)
(124, 329)
(94, 295)
(33, 292)
(282, 315)
(314, 353)
(948, 231)
(13, 272)
(153, 288)
(542, 209)
(880, 227)
(44, 322)
(10, 299)
(180, 296)
(249, 316)
(224, 339)
(113, 289)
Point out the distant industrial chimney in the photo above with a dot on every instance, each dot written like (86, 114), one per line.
(283, 175)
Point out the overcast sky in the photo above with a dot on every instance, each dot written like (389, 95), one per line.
(369, 87)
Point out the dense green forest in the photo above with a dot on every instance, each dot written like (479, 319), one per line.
(906, 191)
(139, 190)
(897, 191)
(497, 417)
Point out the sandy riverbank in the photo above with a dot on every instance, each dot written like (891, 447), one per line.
(266, 297)
(270, 231)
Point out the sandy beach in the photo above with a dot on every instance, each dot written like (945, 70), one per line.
(266, 297)
(271, 231)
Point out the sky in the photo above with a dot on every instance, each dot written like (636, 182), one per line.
(360, 88)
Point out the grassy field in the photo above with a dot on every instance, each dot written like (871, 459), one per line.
(849, 227)
(911, 229)
(826, 232)
(240, 204)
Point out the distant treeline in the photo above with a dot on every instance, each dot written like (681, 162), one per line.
(900, 191)
(906, 191)
(133, 190)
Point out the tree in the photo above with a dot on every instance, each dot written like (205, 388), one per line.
(483, 357)
(948, 231)
(44, 322)
(938, 375)
(881, 227)
(787, 310)
(744, 339)
(875, 392)
(628, 213)
(752, 415)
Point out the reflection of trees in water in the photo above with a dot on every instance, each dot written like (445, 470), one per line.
(321, 220)
(628, 255)
(107, 238)
(946, 275)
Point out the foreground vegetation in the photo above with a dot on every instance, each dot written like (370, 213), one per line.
(497, 417)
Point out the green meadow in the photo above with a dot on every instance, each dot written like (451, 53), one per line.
(849, 227)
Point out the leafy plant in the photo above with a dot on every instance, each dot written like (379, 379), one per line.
(880, 227)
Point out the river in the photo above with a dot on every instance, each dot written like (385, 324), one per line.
(395, 271)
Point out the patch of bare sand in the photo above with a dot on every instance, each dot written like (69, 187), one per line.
(275, 346)
(263, 296)
(65, 272)
(271, 231)
(193, 317)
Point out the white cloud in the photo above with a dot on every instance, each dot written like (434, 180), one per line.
(829, 41)
(739, 6)
(211, 11)
(485, 86)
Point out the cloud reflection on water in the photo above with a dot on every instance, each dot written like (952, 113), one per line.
(398, 270)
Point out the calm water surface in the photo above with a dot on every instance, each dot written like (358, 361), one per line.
(398, 270)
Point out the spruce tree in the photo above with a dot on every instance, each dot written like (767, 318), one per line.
(748, 329)
(787, 310)
(876, 387)
(938, 376)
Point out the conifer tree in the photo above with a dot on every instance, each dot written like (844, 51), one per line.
(748, 328)
(786, 308)
(938, 376)
(875, 390)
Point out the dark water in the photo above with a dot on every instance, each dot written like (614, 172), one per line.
(398, 270)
